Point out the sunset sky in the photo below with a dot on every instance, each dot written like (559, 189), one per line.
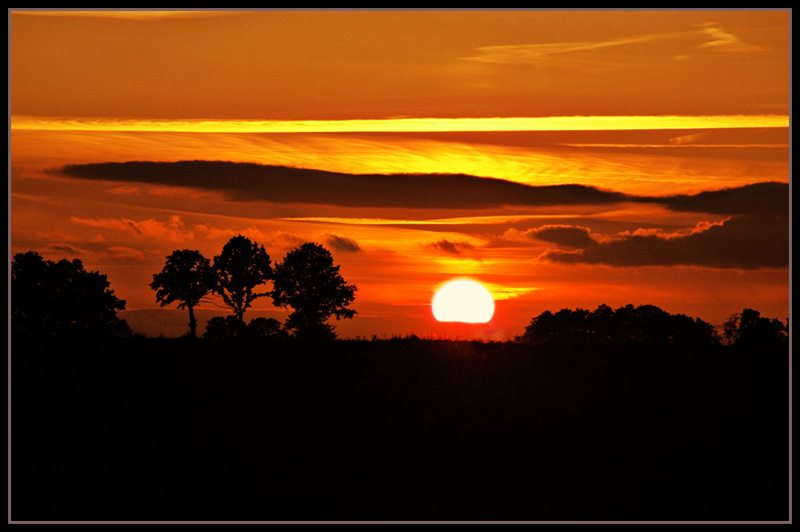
(417, 146)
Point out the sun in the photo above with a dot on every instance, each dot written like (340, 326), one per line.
(463, 300)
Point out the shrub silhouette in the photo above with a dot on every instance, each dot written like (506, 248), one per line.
(224, 328)
(241, 267)
(62, 299)
(187, 277)
(646, 324)
(308, 282)
(230, 327)
(266, 328)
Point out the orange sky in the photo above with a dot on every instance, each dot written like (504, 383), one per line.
(701, 100)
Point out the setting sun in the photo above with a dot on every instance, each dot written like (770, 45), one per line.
(454, 241)
(601, 157)
(463, 300)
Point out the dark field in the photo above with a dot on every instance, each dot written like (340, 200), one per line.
(405, 429)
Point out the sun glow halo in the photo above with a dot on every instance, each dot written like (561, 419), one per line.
(463, 300)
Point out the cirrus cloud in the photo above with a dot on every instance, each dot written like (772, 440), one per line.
(171, 231)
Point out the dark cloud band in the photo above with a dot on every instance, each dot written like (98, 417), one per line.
(746, 242)
(281, 184)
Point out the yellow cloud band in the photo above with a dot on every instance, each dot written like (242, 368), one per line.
(560, 123)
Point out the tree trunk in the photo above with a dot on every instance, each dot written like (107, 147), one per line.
(192, 323)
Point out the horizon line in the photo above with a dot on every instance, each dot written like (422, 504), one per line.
(403, 124)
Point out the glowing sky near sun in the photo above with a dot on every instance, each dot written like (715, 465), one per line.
(418, 125)
(651, 109)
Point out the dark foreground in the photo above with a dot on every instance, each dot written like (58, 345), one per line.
(408, 430)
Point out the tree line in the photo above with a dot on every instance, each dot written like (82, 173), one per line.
(62, 299)
(648, 324)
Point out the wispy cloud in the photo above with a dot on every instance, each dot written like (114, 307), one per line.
(172, 230)
(723, 41)
(530, 53)
(127, 14)
(714, 39)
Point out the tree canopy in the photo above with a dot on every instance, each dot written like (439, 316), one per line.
(308, 282)
(645, 324)
(62, 299)
(242, 266)
(749, 329)
(187, 277)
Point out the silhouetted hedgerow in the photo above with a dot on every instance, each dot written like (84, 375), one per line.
(645, 324)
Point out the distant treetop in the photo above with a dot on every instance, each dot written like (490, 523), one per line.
(62, 299)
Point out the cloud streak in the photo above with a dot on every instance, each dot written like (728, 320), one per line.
(528, 53)
(722, 41)
(172, 231)
(407, 125)
(450, 247)
(715, 40)
(280, 184)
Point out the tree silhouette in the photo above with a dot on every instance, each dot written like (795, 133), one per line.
(645, 324)
(187, 277)
(62, 299)
(309, 283)
(750, 330)
(241, 267)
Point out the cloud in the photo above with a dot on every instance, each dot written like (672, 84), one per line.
(343, 243)
(768, 198)
(528, 53)
(564, 235)
(447, 246)
(281, 184)
(126, 253)
(746, 242)
(122, 13)
(65, 249)
(722, 41)
(717, 40)
(172, 231)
